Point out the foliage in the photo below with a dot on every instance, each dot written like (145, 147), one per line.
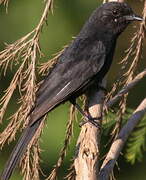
(23, 55)
(136, 144)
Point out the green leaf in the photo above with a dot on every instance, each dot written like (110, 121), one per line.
(136, 143)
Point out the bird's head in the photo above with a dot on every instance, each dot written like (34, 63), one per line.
(114, 16)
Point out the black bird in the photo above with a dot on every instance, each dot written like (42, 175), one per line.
(81, 66)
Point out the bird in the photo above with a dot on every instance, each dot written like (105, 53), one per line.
(81, 66)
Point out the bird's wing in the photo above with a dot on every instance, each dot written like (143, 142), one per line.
(67, 77)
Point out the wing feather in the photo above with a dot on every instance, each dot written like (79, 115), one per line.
(68, 77)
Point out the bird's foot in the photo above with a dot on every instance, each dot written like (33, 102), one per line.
(87, 117)
(94, 121)
(102, 88)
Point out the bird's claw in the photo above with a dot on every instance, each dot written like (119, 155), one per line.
(93, 121)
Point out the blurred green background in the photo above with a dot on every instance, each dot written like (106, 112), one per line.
(66, 22)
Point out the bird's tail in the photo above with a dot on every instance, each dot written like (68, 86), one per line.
(19, 149)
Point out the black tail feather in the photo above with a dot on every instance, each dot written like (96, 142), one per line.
(19, 149)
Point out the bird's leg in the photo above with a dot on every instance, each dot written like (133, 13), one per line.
(93, 121)
(88, 117)
(79, 109)
(102, 88)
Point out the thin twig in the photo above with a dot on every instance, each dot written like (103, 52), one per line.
(6, 3)
(23, 53)
(126, 88)
(128, 69)
(68, 136)
(118, 144)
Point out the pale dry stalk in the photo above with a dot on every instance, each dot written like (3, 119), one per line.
(46, 67)
(26, 49)
(119, 142)
(86, 161)
(30, 162)
(23, 53)
(135, 50)
(126, 88)
(68, 135)
(6, 3)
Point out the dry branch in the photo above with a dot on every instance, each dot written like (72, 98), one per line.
(135, 50)
(126, 88)
(6, 3)
(119, 142)
(87, 156)
(128, 69)
(23, 53)
(68, 135)
(86, 161)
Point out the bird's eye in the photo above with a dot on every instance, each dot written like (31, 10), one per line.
(115, 12)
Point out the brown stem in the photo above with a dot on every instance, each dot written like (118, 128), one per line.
(119, 142)
(126, 88)
(87, 152)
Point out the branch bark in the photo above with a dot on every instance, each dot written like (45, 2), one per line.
(118, 144)
(126, 88)
(87, 155)
(86, 162)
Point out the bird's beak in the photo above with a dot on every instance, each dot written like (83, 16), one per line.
(133, 17)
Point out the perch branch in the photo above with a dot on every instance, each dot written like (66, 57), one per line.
(87, 153)
(119, 142)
